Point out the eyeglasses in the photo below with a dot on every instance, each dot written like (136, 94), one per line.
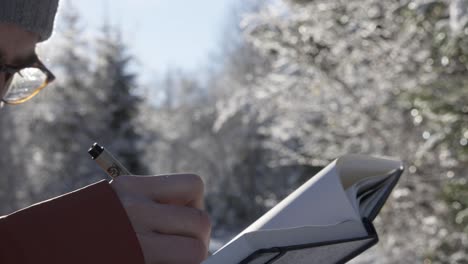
(23, 83)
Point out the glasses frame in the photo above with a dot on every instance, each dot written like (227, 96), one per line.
(12, 70)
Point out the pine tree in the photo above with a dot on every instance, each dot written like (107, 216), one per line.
(118, 104)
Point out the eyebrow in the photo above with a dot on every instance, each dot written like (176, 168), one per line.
(20, 61)
(24, 61)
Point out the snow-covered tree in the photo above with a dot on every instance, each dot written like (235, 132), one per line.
(353, 76)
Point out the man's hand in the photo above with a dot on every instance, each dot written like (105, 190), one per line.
(167, 214)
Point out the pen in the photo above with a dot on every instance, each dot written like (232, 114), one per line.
(107, 162)
(110, 164)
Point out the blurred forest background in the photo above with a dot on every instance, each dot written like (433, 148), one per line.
(294, 85)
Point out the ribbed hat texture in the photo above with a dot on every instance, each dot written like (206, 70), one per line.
(33, 15)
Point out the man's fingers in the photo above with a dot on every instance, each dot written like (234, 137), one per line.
(169, 219)
(178, 189)
(159, 248)
(166, 213)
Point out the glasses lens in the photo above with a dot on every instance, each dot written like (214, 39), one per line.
(24, 83)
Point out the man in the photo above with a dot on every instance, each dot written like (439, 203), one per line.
(158, 219)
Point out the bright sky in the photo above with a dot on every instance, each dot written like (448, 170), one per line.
(163, 33)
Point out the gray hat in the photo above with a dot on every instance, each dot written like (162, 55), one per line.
(33, 15)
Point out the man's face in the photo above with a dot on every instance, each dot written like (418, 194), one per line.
(17, 47)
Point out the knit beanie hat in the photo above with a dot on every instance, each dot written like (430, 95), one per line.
(33, 15)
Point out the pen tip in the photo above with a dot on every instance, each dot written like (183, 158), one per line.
(95, 150)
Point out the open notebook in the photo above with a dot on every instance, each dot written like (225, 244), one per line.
(326, 220)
